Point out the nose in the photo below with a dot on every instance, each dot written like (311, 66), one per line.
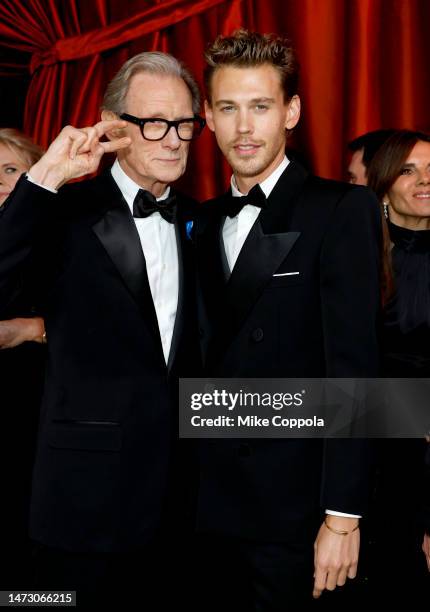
(171, 139)
(244, 123)
(424, 176)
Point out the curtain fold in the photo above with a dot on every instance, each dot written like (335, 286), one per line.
(363, 64)
(109, 37)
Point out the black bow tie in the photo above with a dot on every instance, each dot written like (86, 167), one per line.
(145, 205)
(255, 197)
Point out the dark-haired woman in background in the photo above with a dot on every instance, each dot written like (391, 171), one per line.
(399, 174)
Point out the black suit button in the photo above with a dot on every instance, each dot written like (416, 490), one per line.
(244, 450)
(257, 335)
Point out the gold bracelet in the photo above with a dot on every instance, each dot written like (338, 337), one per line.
(340, 531)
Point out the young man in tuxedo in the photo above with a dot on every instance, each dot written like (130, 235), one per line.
(289, 276)
(118, 302)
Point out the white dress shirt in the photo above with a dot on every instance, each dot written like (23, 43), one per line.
(158, 240)
(235, 231)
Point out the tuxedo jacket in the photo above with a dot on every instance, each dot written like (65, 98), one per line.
(302, 301)
(426, 511)
(107, 441)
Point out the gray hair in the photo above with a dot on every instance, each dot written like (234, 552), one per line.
(20, 144)
(153, 62)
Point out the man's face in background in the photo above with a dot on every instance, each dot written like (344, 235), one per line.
(357, 172)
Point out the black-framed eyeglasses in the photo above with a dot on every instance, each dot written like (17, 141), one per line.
(156, 128)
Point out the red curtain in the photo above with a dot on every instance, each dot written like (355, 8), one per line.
(364, 64)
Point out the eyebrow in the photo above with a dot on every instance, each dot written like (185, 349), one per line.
(163, 116)
(253, 101)
(11, 163)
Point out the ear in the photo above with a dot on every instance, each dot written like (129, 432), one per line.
(293, 113)
(209, 116)
(108, 115)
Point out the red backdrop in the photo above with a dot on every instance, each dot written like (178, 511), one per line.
(364, 63)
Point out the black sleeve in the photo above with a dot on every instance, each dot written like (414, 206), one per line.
(350, 288)
(24, 225)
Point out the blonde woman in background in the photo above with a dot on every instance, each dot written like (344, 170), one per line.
(17, 154)
(21, 385)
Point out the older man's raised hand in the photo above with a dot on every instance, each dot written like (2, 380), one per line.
(77, 152)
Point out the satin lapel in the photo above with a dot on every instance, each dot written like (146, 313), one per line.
(117, 232)
(267, 245)
(260, 257)
(212, 275)
(180, 310)
(223, 255)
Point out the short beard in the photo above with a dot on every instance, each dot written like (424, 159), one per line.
(248, 168)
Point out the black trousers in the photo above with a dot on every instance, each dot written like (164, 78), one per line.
(239, 576)
(146, 579)
(21, 382)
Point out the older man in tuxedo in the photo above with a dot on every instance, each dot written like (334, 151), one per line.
(117, 294)
(289, 276)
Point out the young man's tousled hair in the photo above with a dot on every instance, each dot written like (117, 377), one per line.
(249, 49)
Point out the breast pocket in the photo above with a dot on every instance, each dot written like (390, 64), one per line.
(286, 279)
(85, 435)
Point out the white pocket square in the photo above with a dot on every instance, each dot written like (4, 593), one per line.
(287, 274)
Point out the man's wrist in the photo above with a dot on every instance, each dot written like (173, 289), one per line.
(341, 523)
(45, 176)
(36, 329)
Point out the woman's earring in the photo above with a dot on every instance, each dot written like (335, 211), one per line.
(385, 205)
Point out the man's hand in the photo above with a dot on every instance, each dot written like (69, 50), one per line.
(426, 549)
(335, 556)
(16, 331)
(76, 152)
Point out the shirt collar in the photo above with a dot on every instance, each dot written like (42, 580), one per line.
(267, 185)
(127, 186)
